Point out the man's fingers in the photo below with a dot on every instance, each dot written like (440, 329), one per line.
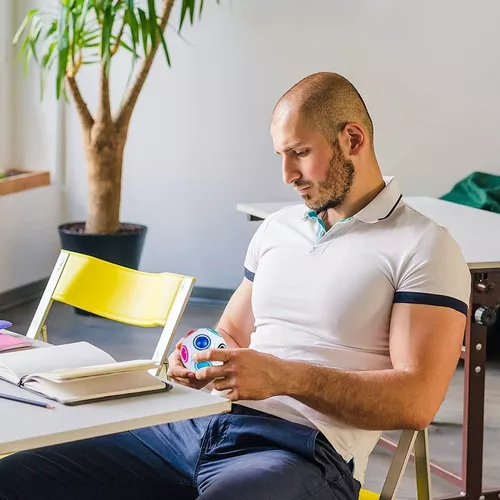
(179, 371)
(211, 372)
(227, 385)
(182, 381)
(214, 355)
(223, 384)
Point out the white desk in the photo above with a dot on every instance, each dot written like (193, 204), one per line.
(476, 231)
(27, 427)
(478, 234)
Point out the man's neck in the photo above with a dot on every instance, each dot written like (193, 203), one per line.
(361, 194)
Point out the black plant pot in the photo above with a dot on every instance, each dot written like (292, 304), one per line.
(123, 247)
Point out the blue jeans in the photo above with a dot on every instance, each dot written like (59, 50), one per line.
(242, 455)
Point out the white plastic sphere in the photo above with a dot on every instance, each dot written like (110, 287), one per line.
(197, 341)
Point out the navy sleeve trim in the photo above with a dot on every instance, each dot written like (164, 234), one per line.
(431, 300)
(249, 275)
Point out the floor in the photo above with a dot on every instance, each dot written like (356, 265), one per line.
(124, 342)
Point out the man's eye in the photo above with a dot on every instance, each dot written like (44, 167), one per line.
(302, 153)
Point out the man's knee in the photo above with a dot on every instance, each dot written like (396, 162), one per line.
(272, 475)
(267, 491)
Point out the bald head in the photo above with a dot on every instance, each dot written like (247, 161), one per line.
(326, 102)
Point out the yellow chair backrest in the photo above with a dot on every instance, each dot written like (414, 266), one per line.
(115, 292)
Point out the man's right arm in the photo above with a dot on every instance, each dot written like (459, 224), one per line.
(237, 321)
(235, 325)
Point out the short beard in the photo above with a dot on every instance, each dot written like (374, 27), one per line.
(338, 182)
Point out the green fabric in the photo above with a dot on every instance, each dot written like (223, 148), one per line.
(478, 190)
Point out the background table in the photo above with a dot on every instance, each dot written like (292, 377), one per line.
(478, 234)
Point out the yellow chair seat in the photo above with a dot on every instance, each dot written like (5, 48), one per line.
(368, 495)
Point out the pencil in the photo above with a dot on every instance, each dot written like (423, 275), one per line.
(27, 401)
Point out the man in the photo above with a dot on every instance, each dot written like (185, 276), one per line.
(348, 321)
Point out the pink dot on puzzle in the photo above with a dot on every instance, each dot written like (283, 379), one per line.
(184, 354)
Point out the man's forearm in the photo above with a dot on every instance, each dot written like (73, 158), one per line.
(229, 339)
(377, 400)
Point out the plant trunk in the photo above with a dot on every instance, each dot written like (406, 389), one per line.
(104, 145)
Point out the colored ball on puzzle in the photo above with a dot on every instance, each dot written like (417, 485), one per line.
(200, 340)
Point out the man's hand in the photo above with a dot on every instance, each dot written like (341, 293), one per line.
(179, 373)
(235, 326)
(247, 374)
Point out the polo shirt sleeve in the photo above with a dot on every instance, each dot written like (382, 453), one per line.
(254, 250)
(435, 273)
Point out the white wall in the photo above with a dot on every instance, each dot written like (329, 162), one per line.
(28, 140)
(6, 18)
(29, 246)
(35, 142)
(199, 141)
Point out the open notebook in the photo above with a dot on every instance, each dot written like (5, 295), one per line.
(78, 373)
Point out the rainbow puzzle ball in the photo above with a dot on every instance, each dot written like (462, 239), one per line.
(200, 340)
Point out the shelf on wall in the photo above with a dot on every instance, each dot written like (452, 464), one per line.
(14, 180)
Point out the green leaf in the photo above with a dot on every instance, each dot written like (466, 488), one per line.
(184, 9)
(46, 62)
(127, 47)
(144, 30)
(33, 50)
(52, 30)
(34, 40)
(23, 49)
(191, 10)
(80, 28)
(63, 49)
(153, 22)
(107, 28)
(131, 20)
(25, 23)
(48, 58)
(201, 8)
(164, 45)
(27, 56)
(90, 39)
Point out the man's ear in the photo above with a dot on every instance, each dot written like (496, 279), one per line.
(355, 138)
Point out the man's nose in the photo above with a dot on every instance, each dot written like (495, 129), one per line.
(290, 172)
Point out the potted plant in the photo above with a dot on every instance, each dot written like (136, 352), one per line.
(92, 32)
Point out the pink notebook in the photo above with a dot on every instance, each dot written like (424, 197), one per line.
(8, 343)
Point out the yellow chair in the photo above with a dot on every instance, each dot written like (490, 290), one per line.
(117, 293)
(409, 440)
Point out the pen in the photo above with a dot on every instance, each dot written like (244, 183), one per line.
(27, 401)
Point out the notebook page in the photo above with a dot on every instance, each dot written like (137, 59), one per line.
(89, 389)
(65, 375)
(74, 355)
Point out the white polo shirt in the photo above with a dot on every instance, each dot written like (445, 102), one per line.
(326, 297)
